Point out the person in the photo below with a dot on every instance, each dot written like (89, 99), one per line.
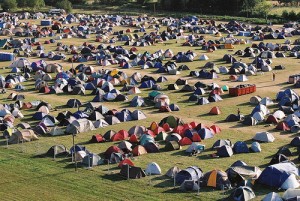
(273, 76)
(238, 111)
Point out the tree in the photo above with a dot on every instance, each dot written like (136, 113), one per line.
(36, 4)
(248, 6)
(8, 5)
(22, 3)
(64, 4)
(262, 9)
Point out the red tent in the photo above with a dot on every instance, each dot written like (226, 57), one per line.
(215, 110)
(133, 139)
(110, 150)
(216, 129)
(185, 141)
(166, 127)
(127, 161)
(196, 137)
(272, 120)
(282, 126)
(193, 124)
(97, 138)
(179, 129)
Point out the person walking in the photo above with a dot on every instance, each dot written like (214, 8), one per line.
(238, 111)
(273, 76)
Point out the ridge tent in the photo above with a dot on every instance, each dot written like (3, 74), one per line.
(56, 131)
(25, 135)
(173, 171)
(133, 173)
(264, 137)
(79, 126)
(57, 150)
(91, 159)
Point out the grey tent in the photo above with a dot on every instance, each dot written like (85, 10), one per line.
(264, 137)
(272, 197)
(80, 126)
(242, 193)
(138, 115)
(173, 171)
(74, 103)
(132, 172)
(189, 185)
(25, 135)
(92, 160)
(57, 150)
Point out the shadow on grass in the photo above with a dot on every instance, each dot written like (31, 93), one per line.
(113, 177)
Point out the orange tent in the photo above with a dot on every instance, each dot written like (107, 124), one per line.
(215, 110)
(139, 150)
(153, 126)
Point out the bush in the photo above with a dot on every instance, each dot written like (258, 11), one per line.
(285, 14)
(292, 15)
(64, 4)
(8, 5)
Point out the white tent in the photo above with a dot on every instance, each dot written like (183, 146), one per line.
(291, 193)
(264, 137)
(279, 114)
(242, 78)
(203, 57)
(259, 116)
(272, 197)
(153, 169)
(20, 63)
(56, 131)
(100, 123)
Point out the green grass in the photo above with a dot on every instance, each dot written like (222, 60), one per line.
(34, 178)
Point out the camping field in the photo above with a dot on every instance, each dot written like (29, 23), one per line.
(28, 176)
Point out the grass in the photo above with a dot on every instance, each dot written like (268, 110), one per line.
(34, 178)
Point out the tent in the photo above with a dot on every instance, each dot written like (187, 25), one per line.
(240, 147)
(291, 195)
(173, 171)
(91, 159)
(189, 185)
(225, 151)
(215, 110)
(264, 137)
(242, 193)
(153, 169)
(242, 172)
(255, 147)
(79, 126)
(25, 135)
(272, 196)
(132, 172)
(172, 145)
(57, 150)
(281, 175)
(216, 178)
(191, 173)
(139, 150)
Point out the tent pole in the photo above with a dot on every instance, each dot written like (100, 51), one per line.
(74, 152)
(6, 143)
(127, 172)
(174, 184)
(54, 152)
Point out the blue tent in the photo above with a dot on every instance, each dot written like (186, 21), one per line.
(240, 147)
(89, 86)
(62, 75)
(191, 173)
(276, 175)
(123, 116)
(39, 115)
(80, 114)
(145, 138)
(77, 148)
(205, 133)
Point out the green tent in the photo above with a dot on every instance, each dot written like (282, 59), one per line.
(152, 94)
(161, 136)
(172, 145)
(172, 121)
(225, 88)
